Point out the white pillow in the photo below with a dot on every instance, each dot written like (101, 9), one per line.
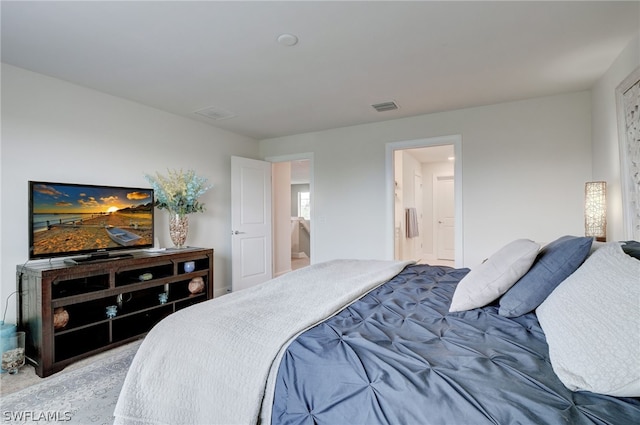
(592, 324)
(489, 280)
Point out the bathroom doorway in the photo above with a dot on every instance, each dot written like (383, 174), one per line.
(300, 214)
(426, 202)
(292, 188)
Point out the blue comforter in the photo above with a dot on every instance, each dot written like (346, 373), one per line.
(397, 356)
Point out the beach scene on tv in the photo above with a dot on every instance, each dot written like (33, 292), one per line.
(69, 218)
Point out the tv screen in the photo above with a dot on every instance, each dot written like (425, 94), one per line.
(68, 219)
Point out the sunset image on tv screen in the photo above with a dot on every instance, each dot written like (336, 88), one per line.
(72, 218)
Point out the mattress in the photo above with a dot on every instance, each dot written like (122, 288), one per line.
(398, 356)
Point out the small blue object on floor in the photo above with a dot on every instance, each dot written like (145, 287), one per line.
(7, 334)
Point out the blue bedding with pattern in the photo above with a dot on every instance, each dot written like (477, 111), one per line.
(397, 356)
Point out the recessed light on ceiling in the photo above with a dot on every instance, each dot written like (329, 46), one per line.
(385, 106)
(287, 40)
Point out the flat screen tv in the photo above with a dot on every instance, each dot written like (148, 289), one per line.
(67, 219)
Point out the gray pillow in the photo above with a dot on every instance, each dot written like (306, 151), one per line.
(554, 263)
(486, 282)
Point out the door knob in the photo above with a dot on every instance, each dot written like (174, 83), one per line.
(236, 232)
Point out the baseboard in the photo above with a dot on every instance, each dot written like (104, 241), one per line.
(221, 291)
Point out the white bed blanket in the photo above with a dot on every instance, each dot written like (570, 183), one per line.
(209, 364)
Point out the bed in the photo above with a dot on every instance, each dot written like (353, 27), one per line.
(379, 342)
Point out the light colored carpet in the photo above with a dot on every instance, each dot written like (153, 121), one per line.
(83, 393)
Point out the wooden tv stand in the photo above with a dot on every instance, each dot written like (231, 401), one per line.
(83, 291)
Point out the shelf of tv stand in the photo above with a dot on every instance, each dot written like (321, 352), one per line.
(85, 289)
(74, 299)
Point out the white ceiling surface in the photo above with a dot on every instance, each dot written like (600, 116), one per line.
(426, 56)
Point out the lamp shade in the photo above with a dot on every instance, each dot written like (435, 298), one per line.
(595, 210)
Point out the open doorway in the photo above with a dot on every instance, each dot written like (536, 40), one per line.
(425, 200)
(424, 205)
(300, 214)
(292, 211)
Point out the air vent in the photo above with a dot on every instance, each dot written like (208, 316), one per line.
(215, 113)
(385, 106)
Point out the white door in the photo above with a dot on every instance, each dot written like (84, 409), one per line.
(250, 222)
(445, 217)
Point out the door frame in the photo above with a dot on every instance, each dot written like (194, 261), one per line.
(297, 157)
(390, 148)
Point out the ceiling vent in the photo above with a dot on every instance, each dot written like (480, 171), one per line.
(215, 113)
(385, 106)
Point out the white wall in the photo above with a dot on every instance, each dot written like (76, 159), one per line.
(606, 154)
(525, 164)
(56, 131)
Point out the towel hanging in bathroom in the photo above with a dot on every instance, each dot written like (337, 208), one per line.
(412, 223)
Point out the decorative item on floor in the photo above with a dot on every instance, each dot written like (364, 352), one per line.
(13, 352)
(178, 193)
(196, 285)
(8, 337)
(60, 318)
(112, 311)
(189, 266)
(595, 210)
(7, 331)
(163, 297)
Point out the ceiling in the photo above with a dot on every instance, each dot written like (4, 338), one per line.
(429, 56)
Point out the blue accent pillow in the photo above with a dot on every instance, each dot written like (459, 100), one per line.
(555, 262)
